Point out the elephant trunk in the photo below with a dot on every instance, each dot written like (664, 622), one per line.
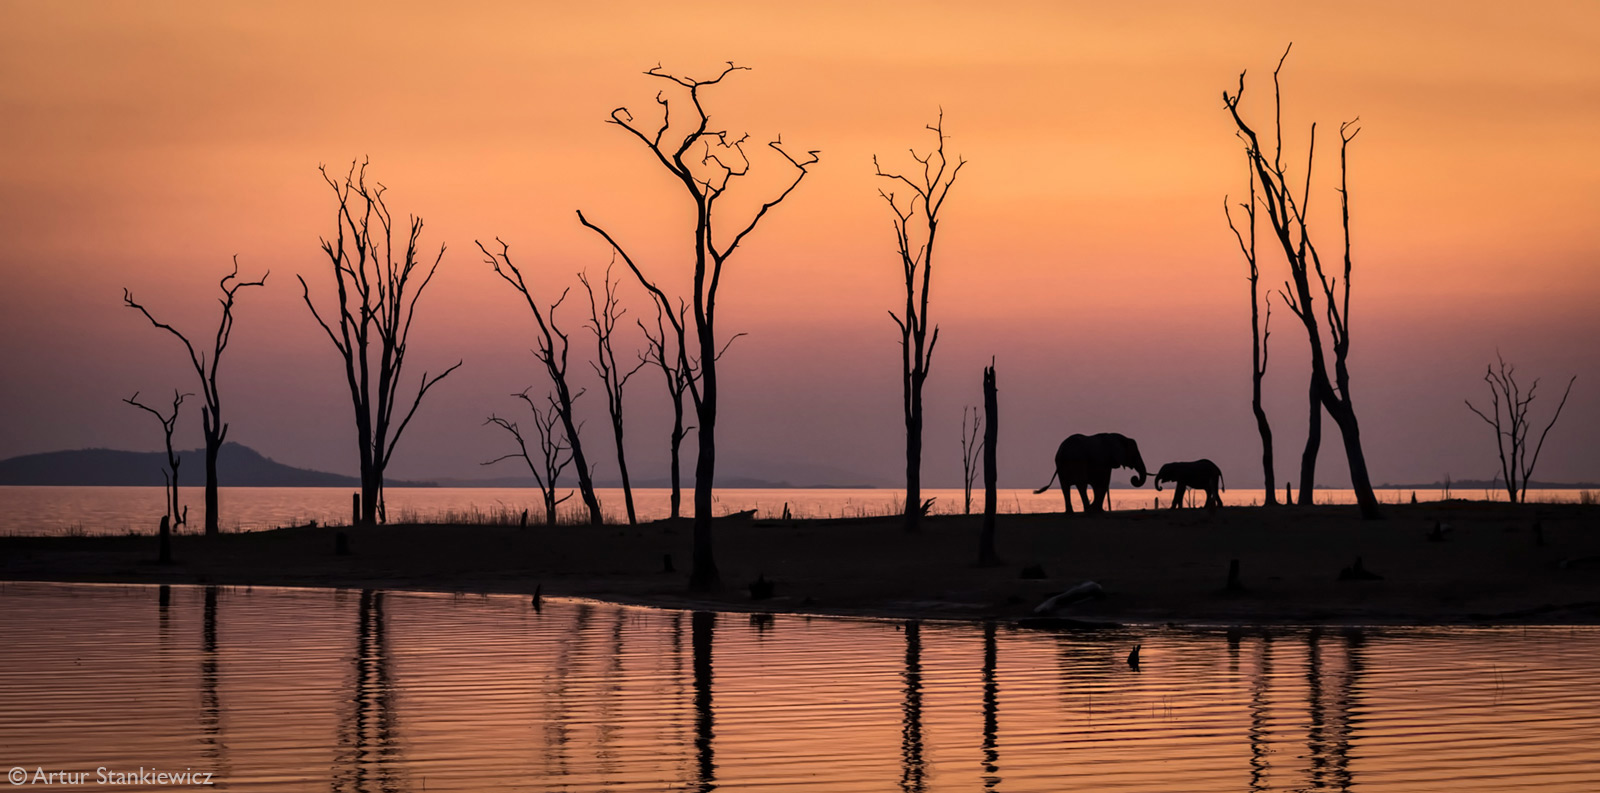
(1158, 484)
(1138, 465)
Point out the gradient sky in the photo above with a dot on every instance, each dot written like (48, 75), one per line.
(1084, 245)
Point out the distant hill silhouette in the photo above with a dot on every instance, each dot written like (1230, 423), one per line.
(647, 482)
(1492, 484)
(237, 466)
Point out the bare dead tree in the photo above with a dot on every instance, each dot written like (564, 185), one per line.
(1287, 215)
(971, 447)
(991, 439)
(553, 345)
(674, 368)
(175, 516)
(916, 225)
(1260, 331)
(604, 311)
(214, 428)
(378, 289)
(547, 471)
(1509, 418)
(706, 163)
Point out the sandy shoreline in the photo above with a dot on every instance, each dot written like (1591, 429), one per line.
(1492, 567)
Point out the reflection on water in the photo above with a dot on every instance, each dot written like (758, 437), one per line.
(704, 626)
(911, 778)
(366, 760)
(274, 689)
(210, 700)
(991, 709)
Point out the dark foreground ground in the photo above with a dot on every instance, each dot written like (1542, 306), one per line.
(1491, 567)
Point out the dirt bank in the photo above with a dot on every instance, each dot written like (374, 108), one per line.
(1491, 566)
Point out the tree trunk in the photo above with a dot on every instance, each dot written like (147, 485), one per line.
(914, 456)
(371, 486)
(585, 483)
(164, 552)
(1266, 448)
(371, 483)
(704, 576)
(1345, 417)
(677, 445)
(991, 436)
(622, 468)
(1308, 458)
(213, 446)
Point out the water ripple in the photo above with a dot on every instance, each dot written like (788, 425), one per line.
(278, 689)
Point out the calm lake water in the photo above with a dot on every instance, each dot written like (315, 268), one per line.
(116, 510)
(275, 689)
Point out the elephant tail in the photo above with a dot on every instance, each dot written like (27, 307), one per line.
(1047, 485)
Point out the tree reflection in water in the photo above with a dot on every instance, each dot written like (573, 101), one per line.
(368, 753)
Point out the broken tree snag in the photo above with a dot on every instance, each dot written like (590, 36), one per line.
(706, 163)
(164, 553)
(991, 434)
(916, 225)
(378, 288)
(1286, 214)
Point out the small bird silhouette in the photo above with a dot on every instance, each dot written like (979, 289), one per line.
(1133, 657)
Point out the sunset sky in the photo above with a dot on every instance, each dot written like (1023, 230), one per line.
(1084, 245)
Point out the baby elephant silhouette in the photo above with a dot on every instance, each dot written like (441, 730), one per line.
(1199, 474)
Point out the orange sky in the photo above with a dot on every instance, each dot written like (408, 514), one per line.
(1084, 245)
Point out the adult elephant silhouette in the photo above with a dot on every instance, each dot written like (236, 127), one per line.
(1086, 461)
(1199, 474)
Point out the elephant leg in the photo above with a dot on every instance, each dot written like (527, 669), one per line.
(1177, 495)
(1066, 495)
(1213, 499)
(1083, 498)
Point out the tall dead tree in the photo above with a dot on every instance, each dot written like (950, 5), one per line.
(547, 471)
(1287, 215)
(378, 288)
(1260, 331)
(553, 345)
(175, 516)
(706, 163)
(971, 447)
(214, 428)
(604, 311)
(1511, 429)
(915, 246)
(675, 369)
